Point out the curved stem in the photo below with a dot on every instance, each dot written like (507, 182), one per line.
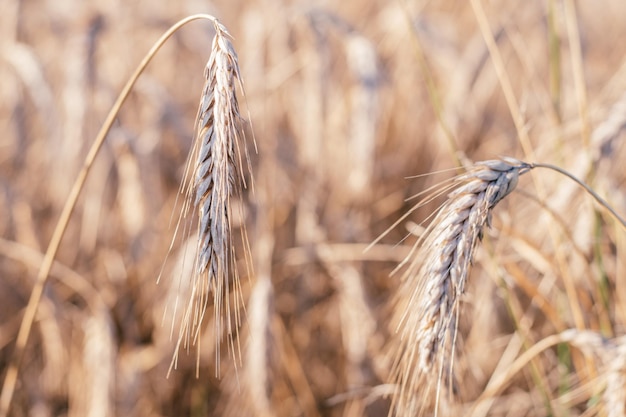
(10, 379)
(595, 195)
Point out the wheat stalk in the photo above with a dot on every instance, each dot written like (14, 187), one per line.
(437, 273)
(261, 358)
(10, 378)
(215, 170)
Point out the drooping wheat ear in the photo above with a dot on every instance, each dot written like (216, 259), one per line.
(436, 276)
(215, 165)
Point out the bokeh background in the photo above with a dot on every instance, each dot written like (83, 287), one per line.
(349, 102)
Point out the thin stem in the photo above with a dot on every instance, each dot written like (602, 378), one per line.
(595, 195)
(554, 45)
(576, 56)
(505, 81)
(10, 379)
(433, 94)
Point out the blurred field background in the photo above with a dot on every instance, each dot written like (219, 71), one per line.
(347, 99)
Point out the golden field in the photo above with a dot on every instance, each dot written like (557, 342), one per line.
(347, 106)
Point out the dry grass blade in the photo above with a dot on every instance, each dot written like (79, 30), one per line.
(216, 177)
(615, 394)
(610, 354)
(436, 276)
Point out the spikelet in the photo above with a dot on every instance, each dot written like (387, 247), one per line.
(436, 276)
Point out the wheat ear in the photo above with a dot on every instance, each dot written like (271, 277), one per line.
(437, 273)
(215, 177)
